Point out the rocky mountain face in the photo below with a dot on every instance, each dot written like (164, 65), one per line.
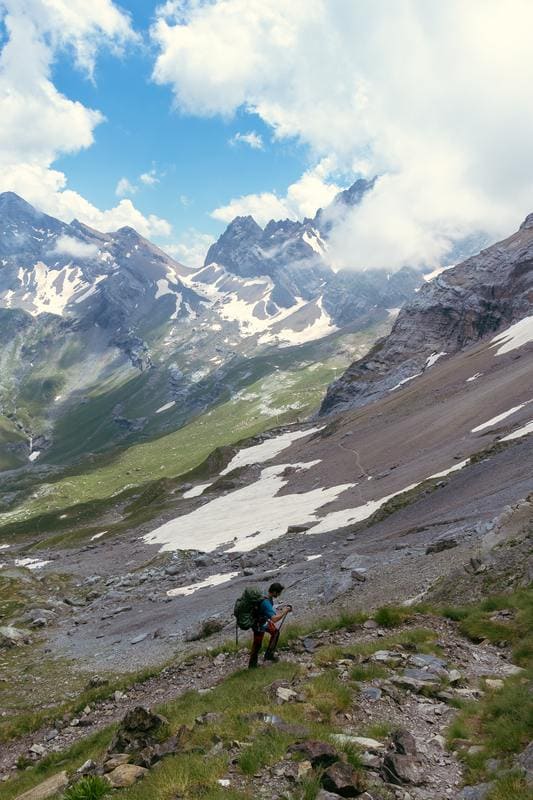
(85, 314)
(456, 308)
(294, 257)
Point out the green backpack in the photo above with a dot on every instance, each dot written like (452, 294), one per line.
(246, 608)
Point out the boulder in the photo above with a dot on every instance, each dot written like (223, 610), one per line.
(12, 637)
(342, 779)
(116, 761)
(47, 788)
(400, 769)
(404, 742)
(136, 731)
(319, 754)
(440, 545)
(125, 775)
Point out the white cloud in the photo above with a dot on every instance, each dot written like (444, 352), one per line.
(252, 139)
(70, 246)
(302, 199)
(149, 178)
(39, 123)
(430, 96)
(45, 189)
(125, 187)
(192, 248)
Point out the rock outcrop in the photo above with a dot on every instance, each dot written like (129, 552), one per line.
(460, 306)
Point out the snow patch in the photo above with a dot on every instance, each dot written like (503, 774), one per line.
(196, 491)
(405, 380)
(31, 563)
(313, 558)
(315, 241)
(214, 580)
(436, 272)
(267, 450)
(523, 431)
(166, 407)
(433, 358)
(494, 421)
(247, 517)
(515, 336)
(474, 377)
(98, 535)
(35, 455)
(4, 546)
(455, 468)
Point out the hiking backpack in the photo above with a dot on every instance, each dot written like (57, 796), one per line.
(246, 609)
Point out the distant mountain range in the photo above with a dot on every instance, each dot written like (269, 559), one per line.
(107, 340)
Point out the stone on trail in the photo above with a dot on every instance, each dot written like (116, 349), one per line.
(319, 754)
(400, 769)
(285, 695)
(125, 775)
(372, 745)
(440, 545)
(116, 761)
(342, 779)
(47, 788)
(404, 742)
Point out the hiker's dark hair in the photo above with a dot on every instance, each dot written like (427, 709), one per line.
(275, 588)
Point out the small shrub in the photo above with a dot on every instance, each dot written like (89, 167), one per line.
(93, 787)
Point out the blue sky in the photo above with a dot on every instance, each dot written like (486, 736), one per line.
(196, 166)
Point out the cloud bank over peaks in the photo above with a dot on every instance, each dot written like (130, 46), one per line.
(315, 189)
(430, 96)
(39, 29)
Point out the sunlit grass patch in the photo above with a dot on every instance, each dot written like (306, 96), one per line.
(328, 694)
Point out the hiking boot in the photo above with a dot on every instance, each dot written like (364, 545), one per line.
(271, 657)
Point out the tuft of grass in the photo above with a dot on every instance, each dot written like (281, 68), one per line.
(265, 749)
(328, 694)
(368, 672)
(392, 616)
(511, 786)
(93, 787)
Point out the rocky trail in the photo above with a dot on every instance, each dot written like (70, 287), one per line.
(414, 679)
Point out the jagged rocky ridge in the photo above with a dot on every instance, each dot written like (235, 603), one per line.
(84, 314)
(460, 306)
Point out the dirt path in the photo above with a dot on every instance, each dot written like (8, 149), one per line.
(203, 672)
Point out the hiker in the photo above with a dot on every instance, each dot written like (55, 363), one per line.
(265, 622)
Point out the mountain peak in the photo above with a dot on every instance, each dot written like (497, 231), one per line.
(12, 202)
(527, 223)
(353, 195)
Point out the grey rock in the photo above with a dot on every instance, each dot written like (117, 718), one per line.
(525, 762)
(478, 792)
(343, 780)
(399, 769)
(440, 545)
(320, 754)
